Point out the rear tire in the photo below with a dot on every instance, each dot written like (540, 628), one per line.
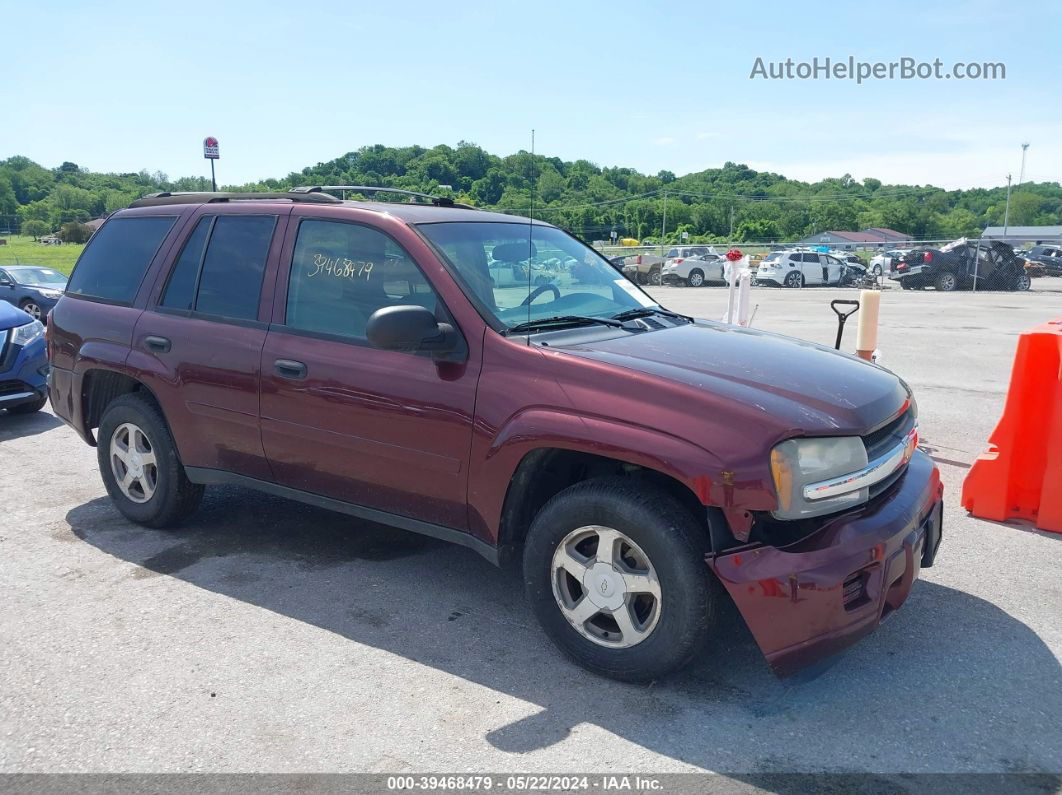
(1022, 282)
(946, 282)
(794, 279)
(654, 277)
(654, 535)
(160, 494)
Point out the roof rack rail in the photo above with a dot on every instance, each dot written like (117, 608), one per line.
(194, 197)
(438, 201)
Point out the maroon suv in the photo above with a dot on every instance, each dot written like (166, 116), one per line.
(493, 381)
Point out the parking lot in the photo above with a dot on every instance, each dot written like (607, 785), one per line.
(272, 636)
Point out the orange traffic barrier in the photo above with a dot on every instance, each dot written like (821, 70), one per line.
(1020, 476)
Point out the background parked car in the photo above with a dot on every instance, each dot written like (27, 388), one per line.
(1050, 256)
(32, 288)
(800, 269)
(882, 263)
(957, 265)
(23, 362)
(643, 268)
(694, 271)
(648, 268)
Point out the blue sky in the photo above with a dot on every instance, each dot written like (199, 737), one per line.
(117, 86)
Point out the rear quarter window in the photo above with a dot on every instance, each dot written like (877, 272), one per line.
(115, 261)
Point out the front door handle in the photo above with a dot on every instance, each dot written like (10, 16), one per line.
(158, 344)
(289, 368)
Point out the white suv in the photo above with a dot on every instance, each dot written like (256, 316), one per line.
(800, 268)
(694, 271)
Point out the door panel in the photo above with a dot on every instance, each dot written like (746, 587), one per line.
(207, 384)
(377, 428)
(383, 429)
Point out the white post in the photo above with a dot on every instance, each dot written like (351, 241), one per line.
(867, 336)
(744, 287)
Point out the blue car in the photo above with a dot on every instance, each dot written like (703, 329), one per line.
(32, 288)
(23, 362)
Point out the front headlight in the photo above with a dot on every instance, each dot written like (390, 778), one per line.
(24, 335)
(800, 462)
(51, 293)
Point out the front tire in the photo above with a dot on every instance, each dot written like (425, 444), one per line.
(1022, 282)
(33, 309)
(139, 464)
(637, 611)
(696, 278)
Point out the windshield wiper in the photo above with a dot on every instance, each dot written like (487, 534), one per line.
(637, 312)
(563, 320)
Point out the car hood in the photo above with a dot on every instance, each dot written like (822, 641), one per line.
(808, 388)
(10, 317)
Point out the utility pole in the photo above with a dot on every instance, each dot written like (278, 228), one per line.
(1021, 174)
(663, 226)
(1006, 212)
(730, 235)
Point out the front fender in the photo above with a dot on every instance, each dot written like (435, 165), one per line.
(540, 428)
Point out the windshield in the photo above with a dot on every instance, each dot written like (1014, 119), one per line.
(501, 268)
(39, 277)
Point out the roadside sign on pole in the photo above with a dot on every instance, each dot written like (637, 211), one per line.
(210, 148)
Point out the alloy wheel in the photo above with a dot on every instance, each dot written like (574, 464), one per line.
(606, 586)
(33, 310)
(133, 462)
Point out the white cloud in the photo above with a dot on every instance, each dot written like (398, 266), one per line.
(665, 140)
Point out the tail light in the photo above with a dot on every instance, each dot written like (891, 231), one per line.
(639, 260)
(927, 257)
(679, 261)
(902, 266)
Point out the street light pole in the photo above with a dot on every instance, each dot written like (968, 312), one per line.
(1021, 174)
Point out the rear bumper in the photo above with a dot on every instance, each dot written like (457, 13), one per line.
(817, 597)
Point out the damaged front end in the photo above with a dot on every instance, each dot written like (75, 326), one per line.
(811, 587)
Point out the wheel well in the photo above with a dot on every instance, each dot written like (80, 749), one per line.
(544, 473)
(100, 387)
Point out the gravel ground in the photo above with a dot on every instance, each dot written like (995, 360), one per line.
(270, 636)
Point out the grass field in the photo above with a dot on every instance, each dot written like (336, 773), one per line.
(26, 251)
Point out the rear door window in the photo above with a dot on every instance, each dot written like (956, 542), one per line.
(116, 259)
(220, 269)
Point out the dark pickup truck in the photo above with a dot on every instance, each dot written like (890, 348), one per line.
(961, 265)
(637, 465)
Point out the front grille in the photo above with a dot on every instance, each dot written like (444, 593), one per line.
(12, 387)
(883, 439)
(7, 351)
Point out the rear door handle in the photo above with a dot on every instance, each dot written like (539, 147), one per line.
(289, 368)
(159, 344)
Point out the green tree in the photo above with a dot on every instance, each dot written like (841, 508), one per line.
(35, 229)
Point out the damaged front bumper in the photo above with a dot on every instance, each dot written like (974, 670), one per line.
(811, 599)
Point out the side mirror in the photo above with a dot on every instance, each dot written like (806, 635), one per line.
(410, 328)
